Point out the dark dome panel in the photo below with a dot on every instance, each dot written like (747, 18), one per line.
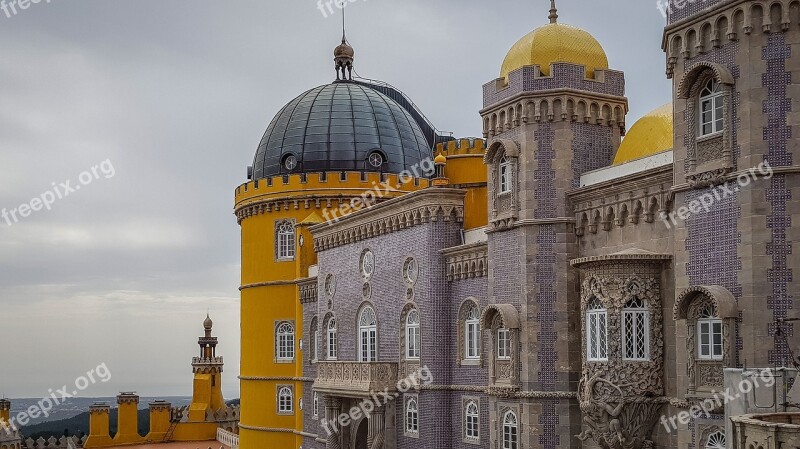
(340, 127)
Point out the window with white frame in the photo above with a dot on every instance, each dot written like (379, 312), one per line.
(506, 176)
(285, 341)
(596, 331)
(636, 330)
(412, 416)
(331, 339)
(716, 441)
(503, 343)
(316, 404)
(412, 335)
(709, 335)
(510, 436)
(472, 421)
(285, 400)
(368, 335)
(712, 107)
(472, 337)
(285, 240)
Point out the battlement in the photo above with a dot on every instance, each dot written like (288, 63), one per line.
(563, 76)
(462, 147)
(53, 443)
(328, 184)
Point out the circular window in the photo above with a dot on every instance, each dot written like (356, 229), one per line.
(330, 285)
(290, 162)
(411, 271)
(375, 159)
(368, 264)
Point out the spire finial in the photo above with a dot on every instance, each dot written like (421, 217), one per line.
(553, 12)
(344, 55)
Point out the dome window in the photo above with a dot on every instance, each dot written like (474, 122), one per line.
(290, 162)
(375, 159)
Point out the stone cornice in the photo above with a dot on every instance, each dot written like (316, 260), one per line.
(550, 93)
(642, 180)
(467, 261)
(267, 284)
(733, 175)
(409, 210)
(276, 379)
(699, 17)
(623, 256)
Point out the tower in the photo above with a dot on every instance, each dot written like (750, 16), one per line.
(732, 66)
(9, 435)
(335, 149)
(556, 112)
(207, 369)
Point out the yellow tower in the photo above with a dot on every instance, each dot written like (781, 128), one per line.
(333, 150)
(5, 411)
(127, 420)
(207, 371)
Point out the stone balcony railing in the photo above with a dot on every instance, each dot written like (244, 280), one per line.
(207, 361)
(355, 379)
(229, 439)
(767, 430)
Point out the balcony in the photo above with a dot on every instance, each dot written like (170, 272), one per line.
(355, 379)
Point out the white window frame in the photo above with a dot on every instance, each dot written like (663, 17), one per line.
(285, 341)
(472, 335)
(285, 400)
(367, 336)
(713, 328)
(330, 342)
(285, 237)
(413, 340)
(713, 97)
(510, 437)
(596, 326)
(316, 405)
(503, 344)
(472, 421)
(639, 350)
(412, 416)
(505, 175)
(716, 440)
(316, 344)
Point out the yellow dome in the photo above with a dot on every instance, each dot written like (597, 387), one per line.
(651, 134)
(555, 42)
(440, 159)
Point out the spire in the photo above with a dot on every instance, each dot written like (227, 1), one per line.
(553, 12)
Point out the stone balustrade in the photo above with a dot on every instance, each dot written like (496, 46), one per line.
(355, 379)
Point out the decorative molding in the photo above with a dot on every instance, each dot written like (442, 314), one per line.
(267, 284)
(413, 209)
(276, 379)
(467, 261)
(308, 290)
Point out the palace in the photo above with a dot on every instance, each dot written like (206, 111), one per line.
(565, 280)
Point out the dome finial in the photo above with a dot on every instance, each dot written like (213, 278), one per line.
(344, 55)
(553, 12)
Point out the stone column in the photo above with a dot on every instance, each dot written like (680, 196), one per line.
(375, 436)
(333, 407)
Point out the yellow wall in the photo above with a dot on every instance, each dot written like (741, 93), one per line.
(128, 423)
(270, 294)
(99, 422)
(465, 169)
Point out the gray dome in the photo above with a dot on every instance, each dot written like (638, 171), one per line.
(341, 127)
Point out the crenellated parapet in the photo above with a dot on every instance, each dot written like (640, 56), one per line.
(728, 21)
(462, 147)
(324, 190)
(567, 94)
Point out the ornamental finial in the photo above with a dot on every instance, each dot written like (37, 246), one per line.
(553, 12)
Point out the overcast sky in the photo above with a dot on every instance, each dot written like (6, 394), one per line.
(176, 95)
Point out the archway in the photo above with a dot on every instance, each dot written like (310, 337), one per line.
(361, 435)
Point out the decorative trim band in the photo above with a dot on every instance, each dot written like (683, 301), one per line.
(267, 284)
(276, 379)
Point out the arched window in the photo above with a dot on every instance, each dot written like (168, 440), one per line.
(712, 106)
(503, 343)
(716, 441)
(331, 339)
(636, 330)
(709, 334)
(285, 400)
(412, 416)
(285, 241)
(472, 337)
(506, 177)
(368, 335)
(285, 341)
(412, 335)
(471, 421)
(596, 331)
(316, 404)
(510, 436)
